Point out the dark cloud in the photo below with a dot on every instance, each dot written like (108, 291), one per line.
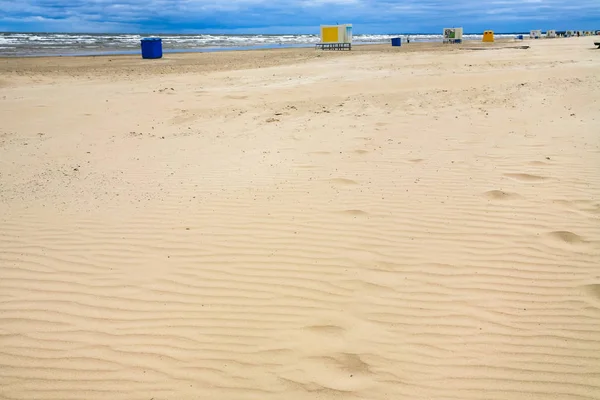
(295, 15)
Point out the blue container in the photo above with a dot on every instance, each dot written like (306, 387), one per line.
(152, 48)
(459, 41)
(520, 37)
(396, 42)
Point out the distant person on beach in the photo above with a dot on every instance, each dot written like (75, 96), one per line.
(408, 39)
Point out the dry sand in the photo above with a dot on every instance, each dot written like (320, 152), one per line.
(414, 223)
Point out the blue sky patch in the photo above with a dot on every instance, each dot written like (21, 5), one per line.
(295, 16)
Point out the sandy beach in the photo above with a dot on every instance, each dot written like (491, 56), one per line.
(388, 223)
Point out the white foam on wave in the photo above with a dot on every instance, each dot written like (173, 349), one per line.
(40, 43)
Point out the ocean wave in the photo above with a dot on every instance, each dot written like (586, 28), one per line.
(45, 43)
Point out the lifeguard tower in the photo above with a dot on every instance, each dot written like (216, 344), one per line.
(453, 35)
(488, 37)
(336, 37)
(536, 34)
(550, 34)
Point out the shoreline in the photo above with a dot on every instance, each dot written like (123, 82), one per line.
(116, 65)
(216, 49)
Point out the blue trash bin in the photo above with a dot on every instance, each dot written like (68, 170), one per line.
(520, 37)
(396, 42)
(152, 48)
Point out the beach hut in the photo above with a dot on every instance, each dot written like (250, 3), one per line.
(453, 35)
(551, 34)
(488, 36)
(536, 34)
(336, 37)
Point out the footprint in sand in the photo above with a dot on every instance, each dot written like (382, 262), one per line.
(592, 293)
(361, 151)
(349, 362)
(566, 237)
(234, 97)
(336, 373)
(526, 177)
(416, 160)
(538, 163)
(501, 195)
(343, 181)
(326, 329)
(355, 213)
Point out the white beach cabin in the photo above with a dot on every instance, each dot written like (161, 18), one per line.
(453, 35)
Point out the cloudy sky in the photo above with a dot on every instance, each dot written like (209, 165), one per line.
(295, 16)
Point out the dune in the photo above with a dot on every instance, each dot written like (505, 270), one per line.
(412, 224)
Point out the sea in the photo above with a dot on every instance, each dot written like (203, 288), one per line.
(77, 44)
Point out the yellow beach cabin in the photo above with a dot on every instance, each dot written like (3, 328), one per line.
(336, 37)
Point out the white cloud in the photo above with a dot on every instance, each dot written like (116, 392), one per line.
(221, 15)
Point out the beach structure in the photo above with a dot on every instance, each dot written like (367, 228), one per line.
(488, 36)
(453, 35)
(336, 37)
(550, 34)
(535, 34)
